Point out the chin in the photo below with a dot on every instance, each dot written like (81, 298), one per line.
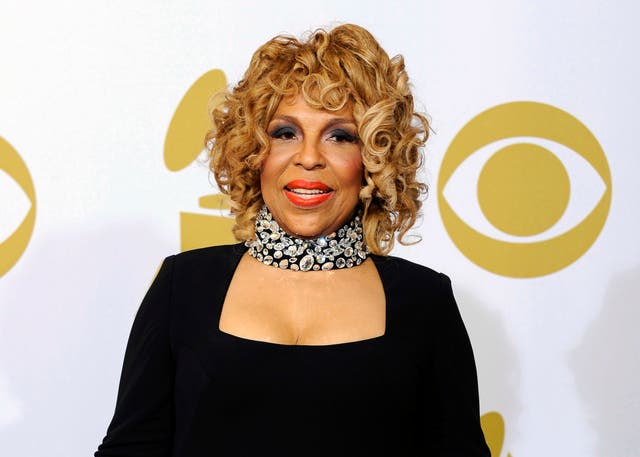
(307, 231)
(306, 226)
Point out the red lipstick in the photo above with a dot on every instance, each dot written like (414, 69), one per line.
(306, 194)
(309, 185)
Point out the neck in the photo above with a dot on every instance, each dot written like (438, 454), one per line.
(345, 248)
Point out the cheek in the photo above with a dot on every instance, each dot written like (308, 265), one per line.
(268, 174)
(266, 182)
(353, 171)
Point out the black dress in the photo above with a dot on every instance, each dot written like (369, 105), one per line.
(188, 389)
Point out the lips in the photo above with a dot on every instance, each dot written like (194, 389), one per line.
(305, 193)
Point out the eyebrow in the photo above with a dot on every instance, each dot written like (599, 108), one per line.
(331, 122)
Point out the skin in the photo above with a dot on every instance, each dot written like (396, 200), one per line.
(315, 146)
(264, 303)
(267, 304)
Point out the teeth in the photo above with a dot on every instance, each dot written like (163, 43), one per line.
(307, 191)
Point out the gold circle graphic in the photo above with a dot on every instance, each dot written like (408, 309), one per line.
(13, 247)
(512, 195)
(538, 258)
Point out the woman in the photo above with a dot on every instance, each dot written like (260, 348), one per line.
(306, 339)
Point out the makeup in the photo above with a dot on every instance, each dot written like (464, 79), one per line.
(305, 193)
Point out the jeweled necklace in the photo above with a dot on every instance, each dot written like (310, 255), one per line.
(344, 248)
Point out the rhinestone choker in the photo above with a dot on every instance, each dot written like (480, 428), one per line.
(344, 248)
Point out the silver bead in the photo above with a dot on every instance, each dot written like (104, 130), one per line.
(306, 263)
(343, 248)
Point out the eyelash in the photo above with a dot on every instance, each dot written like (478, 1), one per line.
(339, 135)
(281, 132)
(343, 136)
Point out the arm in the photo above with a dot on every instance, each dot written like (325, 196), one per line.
(454, 380)
(143, 421)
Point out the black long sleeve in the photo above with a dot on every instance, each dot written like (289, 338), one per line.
(455, 385)
(143, 421)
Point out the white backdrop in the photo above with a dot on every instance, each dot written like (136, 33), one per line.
(88, 90)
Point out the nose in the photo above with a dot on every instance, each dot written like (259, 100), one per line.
(310, 155)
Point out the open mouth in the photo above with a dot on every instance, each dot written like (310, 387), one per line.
(307, 193)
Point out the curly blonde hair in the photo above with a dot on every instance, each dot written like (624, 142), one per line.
(331, 69)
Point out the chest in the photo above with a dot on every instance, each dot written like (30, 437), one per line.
(315, 308)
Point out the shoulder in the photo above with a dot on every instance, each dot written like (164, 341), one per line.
(425, 295)
(409, 274)
(205, 263)
(212, 255)
(198, 278)
(416, 288)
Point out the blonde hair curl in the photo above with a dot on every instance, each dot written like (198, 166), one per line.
(331, 69)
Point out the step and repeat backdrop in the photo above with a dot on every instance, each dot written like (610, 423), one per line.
(533, 168)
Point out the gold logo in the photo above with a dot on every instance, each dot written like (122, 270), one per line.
(523, 189)
(493, 429)
(12, 248)
(183, 144)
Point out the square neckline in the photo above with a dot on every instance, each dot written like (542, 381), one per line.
(238, 254)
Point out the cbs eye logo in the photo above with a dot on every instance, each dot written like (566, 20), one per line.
(15, 243)
(532, 211)
(183, 144)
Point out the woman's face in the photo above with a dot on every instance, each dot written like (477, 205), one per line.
(312, 176)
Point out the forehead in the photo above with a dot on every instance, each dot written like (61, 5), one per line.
(298, 108)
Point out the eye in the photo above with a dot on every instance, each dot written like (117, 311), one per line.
(283, 133)
(524, 189)
(547, 218)
(342, 136)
